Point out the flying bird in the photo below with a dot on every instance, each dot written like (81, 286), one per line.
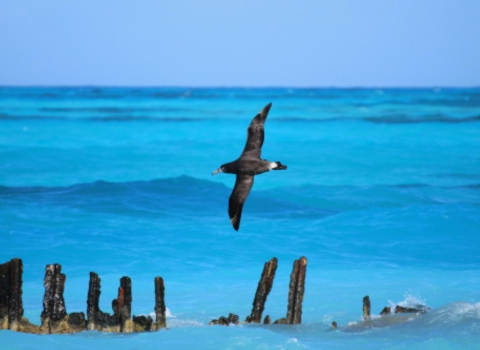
(247, 166)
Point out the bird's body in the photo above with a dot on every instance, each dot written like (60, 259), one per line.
(247, 166)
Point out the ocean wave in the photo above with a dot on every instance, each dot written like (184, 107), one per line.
(345, 198)
(186, 196)
(193, 187)
(154, 195)
(10, 117)
(435, 118)
(387, 119)
(110, 114)
(120, 117)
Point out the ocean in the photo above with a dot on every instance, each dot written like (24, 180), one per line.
(381, 195)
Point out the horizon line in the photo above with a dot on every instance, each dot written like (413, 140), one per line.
(252, 87)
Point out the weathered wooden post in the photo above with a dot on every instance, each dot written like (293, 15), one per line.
(160, 308)
(54, 311)
(225, 321)
(385, 311)
(366, 307)
(11, 303)
(96, 319)
(54, 315)
(93, 299)
(4, 295)
(296, 291)
(264, 287)
(402, 309)
(122, 306)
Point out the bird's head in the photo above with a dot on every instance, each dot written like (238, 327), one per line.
(219, 170)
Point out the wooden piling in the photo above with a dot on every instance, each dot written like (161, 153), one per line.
(93, 299)
(160, 308)
(97, 319)
(263, 289)
(386, 311)
(143, 324)
(3, 297)
(122, 306)
(296, 291)
(366, 307)
(5, 287)
(11, 305)
(403, 309)
(54, 311)
(225, 321)
(54, 316)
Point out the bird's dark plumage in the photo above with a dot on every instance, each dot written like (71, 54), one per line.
(247, 166)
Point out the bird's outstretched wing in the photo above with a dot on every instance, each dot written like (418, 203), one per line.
(240, 192)
(256, 134)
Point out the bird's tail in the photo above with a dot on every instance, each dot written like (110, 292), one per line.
(278, 166)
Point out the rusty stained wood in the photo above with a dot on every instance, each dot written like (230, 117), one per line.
(296, 291)
(160, 308)
(263, 289)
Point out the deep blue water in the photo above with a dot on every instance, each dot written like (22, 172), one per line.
(382, 195)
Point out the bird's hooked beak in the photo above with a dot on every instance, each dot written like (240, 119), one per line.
(219, 170)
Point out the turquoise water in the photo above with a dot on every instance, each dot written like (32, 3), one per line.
(382, 195)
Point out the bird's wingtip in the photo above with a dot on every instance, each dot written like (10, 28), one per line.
(266, 108)
(235, 220)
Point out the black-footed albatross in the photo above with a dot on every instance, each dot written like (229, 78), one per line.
(247, 166)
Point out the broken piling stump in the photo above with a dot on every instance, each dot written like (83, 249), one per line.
(97, 319)
(282, 320)
(225, 321)
(122, 306)
(366, 307)
(11, 304)
(267, 320)
(403, 309)
(264, 287)
(143, 323)
(160, 308)
(94, 315)
(385, 311)
(296, 291)
(54, 316)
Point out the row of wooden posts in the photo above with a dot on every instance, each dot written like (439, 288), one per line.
(54, 317)
(56, 320)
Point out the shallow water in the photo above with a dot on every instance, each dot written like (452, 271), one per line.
(382, 195)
